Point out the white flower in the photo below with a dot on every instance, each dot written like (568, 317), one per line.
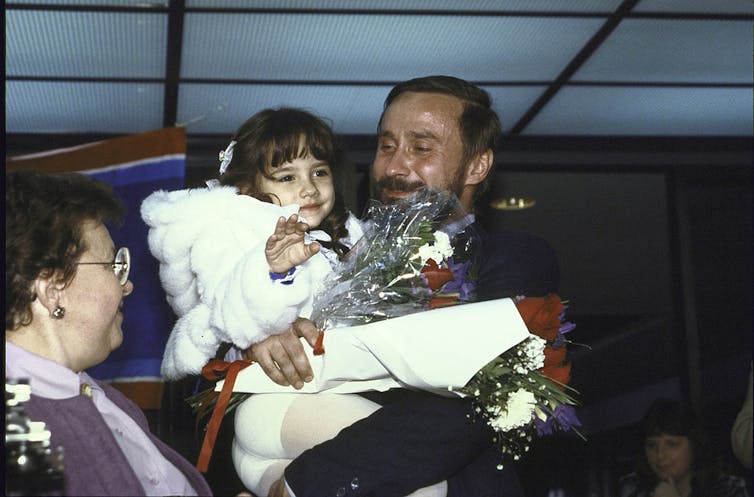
(517, 412)
(534, 352)
(442, 244)
(438, 250)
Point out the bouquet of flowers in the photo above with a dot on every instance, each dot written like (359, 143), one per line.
(406, 264)
(400, 266)
(524, 390)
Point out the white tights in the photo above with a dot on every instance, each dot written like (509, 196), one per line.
(273, 429)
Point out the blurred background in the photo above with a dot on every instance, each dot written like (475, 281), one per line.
(629, 123)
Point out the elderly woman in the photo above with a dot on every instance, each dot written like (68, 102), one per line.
(64, 288)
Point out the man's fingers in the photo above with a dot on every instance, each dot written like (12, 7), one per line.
(283, 359)
(306, 329)
(270, 368)
(297, 369)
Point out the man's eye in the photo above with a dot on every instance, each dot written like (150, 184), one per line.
(386, 147)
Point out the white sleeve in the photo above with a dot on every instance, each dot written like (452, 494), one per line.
(233, 276)
(245, 303)
(210, 244)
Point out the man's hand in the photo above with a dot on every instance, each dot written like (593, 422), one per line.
(285, 248)
(282, 357)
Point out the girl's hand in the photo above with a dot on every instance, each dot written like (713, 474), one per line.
(666, 488)
(285, 248)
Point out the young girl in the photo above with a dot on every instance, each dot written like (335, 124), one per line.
(228, 280)
(225, 276)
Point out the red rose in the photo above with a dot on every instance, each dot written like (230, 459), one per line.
(560, 374)
(554, 356)
(436, 302)
(541, 315)
(436, 276)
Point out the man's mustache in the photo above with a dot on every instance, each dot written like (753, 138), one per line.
(397, 184)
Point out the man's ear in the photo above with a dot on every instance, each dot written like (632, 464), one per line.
(479, 167)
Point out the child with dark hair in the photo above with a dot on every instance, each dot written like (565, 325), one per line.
(239, 260)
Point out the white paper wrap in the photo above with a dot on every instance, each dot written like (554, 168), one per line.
(430, 350)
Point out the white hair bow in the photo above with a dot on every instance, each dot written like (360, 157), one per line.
(226, 156)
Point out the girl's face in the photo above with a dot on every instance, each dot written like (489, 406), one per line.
(306, 182)
(669, 456)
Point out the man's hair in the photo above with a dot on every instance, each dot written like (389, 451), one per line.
(479, 123)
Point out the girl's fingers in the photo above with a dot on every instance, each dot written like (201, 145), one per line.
(280, 226)
(312, 248)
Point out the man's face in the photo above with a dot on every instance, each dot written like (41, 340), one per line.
(419, 144)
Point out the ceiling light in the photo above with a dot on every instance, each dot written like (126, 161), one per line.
(512, 203)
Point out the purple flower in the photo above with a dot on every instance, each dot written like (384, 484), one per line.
(563, 417)
(565, 327)
(459, 284)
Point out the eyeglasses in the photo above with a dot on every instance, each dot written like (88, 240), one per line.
(121, 264)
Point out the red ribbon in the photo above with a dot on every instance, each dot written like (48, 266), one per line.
(214, 370)
(319, 347)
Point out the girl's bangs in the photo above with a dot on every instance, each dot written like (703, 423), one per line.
(298, 146)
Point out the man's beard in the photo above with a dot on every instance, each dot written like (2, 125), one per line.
(398, 184)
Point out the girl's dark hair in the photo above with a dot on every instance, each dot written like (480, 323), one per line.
(671, 417)
(273, 137)
(44, 219)
(479, 123)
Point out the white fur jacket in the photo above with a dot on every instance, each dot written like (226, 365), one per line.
(210, 245)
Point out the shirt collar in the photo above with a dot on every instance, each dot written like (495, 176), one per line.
(47, 378)
(455, 227)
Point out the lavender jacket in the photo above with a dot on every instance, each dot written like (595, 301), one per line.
(94, 463)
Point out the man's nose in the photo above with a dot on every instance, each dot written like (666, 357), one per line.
(399, 164)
